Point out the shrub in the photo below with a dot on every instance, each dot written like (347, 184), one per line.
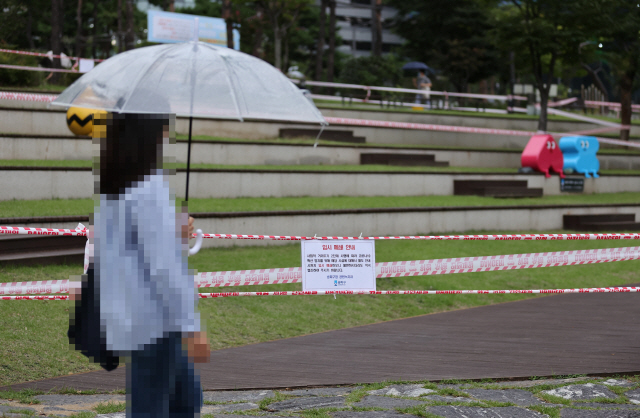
(20, 78)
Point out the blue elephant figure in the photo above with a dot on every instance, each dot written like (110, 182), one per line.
(580, 154)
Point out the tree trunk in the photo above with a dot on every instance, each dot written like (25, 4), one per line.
(285, 60)
(227, 15)
(79, 42)
(56, 35)
(257, 40)
(512, 80)
(130, 36)
(168, 5)
(544, 100)
(94, 35)
(626, 88)
(320, 43)
(376, 27)
(332, 39)
(277, 47)
(119, 34)
(29, 28)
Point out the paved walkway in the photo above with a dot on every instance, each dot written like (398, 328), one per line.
(582, 397)
(585, 334)
(544, 336)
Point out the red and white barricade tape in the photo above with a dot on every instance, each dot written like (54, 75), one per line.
(249, 277)
(514, 237)
(35, 297)
(48, 70)
(41, 54)
(35, 287)
(384, 270)
(19, 230)
(375, 292)
(27, 97)
(431, 267)
(425, 292)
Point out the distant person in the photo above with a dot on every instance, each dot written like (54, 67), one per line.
(141, 302)
(422, 82)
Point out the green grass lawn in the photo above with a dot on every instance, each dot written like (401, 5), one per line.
(70, 207)
(33, 333)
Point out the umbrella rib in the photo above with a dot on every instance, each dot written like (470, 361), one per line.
(233, 94)
(143, 74)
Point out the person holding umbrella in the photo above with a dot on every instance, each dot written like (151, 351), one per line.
(153, 320)
(143, 300)
(422, 82)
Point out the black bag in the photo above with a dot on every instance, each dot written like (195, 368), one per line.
(85, 332)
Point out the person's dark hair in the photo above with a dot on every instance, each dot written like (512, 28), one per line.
(130, 148)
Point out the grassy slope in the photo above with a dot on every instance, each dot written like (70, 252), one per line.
(34, 332)
(68, 207)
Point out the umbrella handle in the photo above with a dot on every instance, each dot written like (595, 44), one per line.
(199, 238)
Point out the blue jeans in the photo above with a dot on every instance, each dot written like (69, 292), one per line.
(162, 382)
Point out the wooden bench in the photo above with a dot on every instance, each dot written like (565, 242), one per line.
(607, 222)
(39, 249)
(327, 134)
(495, 188)
(399, 159)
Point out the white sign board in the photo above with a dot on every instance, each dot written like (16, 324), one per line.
(166, 27)
(86, 65)
(338, 265)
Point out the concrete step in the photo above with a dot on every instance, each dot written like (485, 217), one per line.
(29, 183)
(51, 147)
(370, 222)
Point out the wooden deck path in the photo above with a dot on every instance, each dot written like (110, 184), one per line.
(552, 335)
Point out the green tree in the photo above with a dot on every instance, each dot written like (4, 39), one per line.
(453, 37)
(372, 71)
(282, 14)
(616, 26)
(543, 32)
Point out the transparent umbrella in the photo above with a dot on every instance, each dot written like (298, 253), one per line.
(191, 79)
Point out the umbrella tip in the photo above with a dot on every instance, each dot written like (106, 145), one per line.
(195, 30)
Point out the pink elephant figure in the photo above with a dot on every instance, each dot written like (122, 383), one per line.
(542, 153)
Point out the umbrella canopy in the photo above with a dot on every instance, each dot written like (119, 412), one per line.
(193, 79)
(417, 66)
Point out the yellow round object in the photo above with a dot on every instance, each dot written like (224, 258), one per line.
(80, 120)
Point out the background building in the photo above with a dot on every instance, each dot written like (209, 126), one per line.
(354, 18)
